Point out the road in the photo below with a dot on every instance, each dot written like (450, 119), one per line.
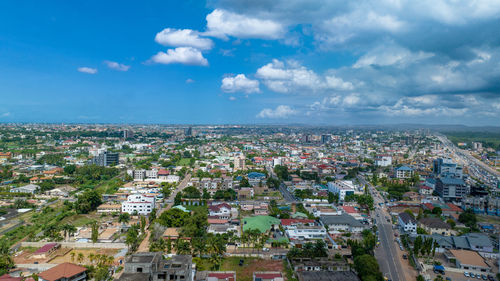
(287, 195)
(144, 246)
(386, 253)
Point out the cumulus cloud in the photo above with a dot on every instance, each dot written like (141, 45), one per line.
(183, 38)
(281, 111)
(88, 70)
(222, 23)
(117, 66)
(189, 81)
(240, 83)
(292, 77)
(389, 54)
(182, 55)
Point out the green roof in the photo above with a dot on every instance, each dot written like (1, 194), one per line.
(299, 215)
(261, 223)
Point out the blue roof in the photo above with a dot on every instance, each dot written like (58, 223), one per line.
(404, 168)
(256, 175)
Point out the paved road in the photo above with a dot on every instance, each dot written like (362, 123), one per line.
(287, 195)
(386, 253)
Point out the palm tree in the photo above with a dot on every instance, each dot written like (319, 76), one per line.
(68, 230)
(124, 218)
(111, 260)
(91, 258)
(182, 247)
(80, 258)
(72, 254)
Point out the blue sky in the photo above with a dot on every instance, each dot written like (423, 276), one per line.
(243, 61)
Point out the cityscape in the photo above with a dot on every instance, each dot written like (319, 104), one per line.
(215, 140)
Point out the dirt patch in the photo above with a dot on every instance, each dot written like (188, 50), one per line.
(251, 265)
(68, 257)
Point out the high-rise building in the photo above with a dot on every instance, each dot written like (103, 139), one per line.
(451, 189)
(239, 162)
(326, 138)
(446, 167)
(127, 134)
(106, 159)
(188, 132)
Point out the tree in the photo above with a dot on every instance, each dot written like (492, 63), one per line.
(437, 211)
(420, 278)
(182, 247)
(282, 172)
(173, 218)
(152, 216)
(367, 267)
(124, 218)
(80, 258)
(468, 218)
(417, 245)
(88, 201)
(68, 230)
(132, 240)
(69, 169)
(6, 261)
(244, 182)
(143, 224)
(95, 232)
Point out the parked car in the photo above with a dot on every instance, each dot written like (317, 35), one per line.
(405, 257)
(472, 275)
(466, 274)
(484, 277)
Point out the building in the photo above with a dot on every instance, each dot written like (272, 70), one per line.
(326, 139)
(306, 232)
(106, 159)
(222, 211)
(108, 208)
(435, 226)
(155, 267)
(141, 204)
(64, 272)
(404, 172)
(407, 223)
(239, 162)
(383, 161)
(468, 260)
(446, 167)
(30, 188)
(127, 134)
(342, 188)
(46, 250)
(188, 132)
(268, 276)
(327, 276)
(218, 276)
(451, 189)
(342, 223)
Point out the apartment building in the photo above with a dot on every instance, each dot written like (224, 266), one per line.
(141, 204)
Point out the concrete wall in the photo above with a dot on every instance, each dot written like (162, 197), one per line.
(78, 245)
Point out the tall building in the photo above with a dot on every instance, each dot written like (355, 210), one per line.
(326, 138)
(127, 134)
(188, 132)
(451, 189)
(239, 162)
(447, 168)
(106, 159)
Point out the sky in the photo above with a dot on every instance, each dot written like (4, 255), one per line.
(251, 62)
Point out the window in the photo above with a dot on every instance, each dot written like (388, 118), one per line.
(139, 269)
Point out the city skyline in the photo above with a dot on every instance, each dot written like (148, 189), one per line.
(245, 62)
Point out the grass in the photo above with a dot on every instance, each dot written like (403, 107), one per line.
(184, 162)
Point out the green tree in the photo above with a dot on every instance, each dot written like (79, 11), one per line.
(367, 267)
(173, 218)
(95, 232)
(124, 218)
(88, 201)
(6, 261)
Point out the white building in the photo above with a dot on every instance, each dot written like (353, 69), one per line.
(239, 162)
(342, 188)
(407, 223)
(141, 204)
(304, 232)
(383, 161)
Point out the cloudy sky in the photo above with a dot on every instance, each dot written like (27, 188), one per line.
(251, 61)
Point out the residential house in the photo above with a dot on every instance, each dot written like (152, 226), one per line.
(407, 223)
(404, 172)
(141, 204)
(268, 276)
(435, 226)
(64, 272)
(342, 223)
(30, 188)
(468, 260)
(221, 211)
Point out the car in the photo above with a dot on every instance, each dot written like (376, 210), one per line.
(466, 274)
(405, 257)
(448, 279)
(472, 275)
(484, 277)
(241, 262)
(265, 249)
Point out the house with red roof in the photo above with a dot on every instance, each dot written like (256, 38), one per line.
(268, 276)
(221, 276)
(45, 250)
(64, 272)
(222, 210)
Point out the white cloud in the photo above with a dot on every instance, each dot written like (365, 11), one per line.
(222, 23)
(294, 78)
(282, 111)
(117, 66)
(183, 55)
(189, 81)
(5, 114)
(240, 83)
(232, 98)
(183, 38)
(351, 100)
(88, 70)
(390, 54)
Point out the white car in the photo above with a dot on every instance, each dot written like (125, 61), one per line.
(466, 274)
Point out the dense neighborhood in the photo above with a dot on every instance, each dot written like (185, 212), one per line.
(151, 202)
